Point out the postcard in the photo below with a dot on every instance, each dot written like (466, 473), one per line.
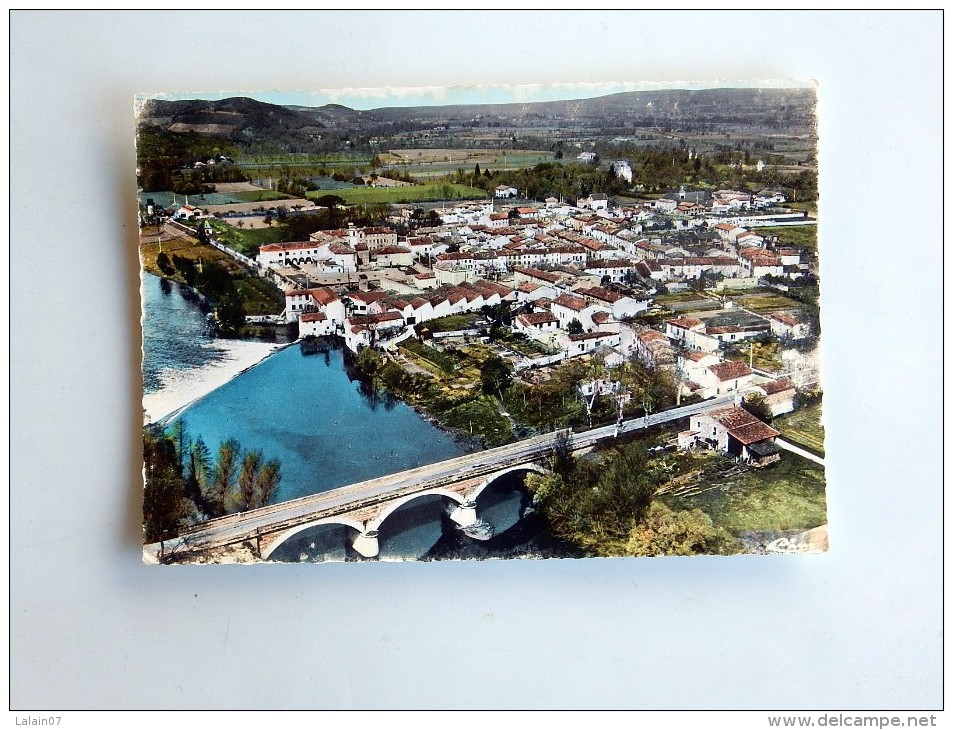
(474, 323)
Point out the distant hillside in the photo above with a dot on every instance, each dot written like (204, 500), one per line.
(233, 117)
(244, 120)
(744, 107)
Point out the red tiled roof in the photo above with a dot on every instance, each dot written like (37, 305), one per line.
(597, 292)
(730, 370)
(611, 264)
(290, 246)
(685, 322)
(376, 318)
(743, 426)
(590, 336)
(784, 318)
(537, 274)
(537, 318)
(570, 302)
(776, 386)
(313, 317)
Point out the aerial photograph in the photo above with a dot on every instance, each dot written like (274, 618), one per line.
(480, 323)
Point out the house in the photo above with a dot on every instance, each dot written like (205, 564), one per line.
(536, 322)
(622, 169)
(587, 342)
(505, 191)
(187, 213)
(394, 256)
(302, 301)
(725, 377)
(615, 269)
(654, 349)
(678, 329)
(732, 431)
(757, 262)
(275, 255)
(778, 395)
(315, 324)
(595, 201)
(789, 326)
(620, 306)
(587, 157)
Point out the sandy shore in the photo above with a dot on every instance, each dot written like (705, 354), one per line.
(180, 388)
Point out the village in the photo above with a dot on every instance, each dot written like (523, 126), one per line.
(704, 288)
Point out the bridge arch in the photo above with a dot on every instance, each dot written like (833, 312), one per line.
(288, 534)
(397, 504)
(472, 497)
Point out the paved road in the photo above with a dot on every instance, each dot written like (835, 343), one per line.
(233, 528)
(787, 446)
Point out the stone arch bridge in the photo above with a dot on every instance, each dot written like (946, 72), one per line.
(365, 506)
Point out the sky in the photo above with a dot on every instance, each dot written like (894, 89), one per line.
(378, 97)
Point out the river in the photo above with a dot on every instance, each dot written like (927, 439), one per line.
(326, 427)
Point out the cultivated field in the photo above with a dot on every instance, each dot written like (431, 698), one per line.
(411, 194)
(804, 236)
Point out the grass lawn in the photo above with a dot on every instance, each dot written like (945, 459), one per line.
(803, 236)
(767, 303)
(788, 495)
(186, 249)
(803, 427)
(247, 241)
(259, 296)
(453, 322)
(411, 194)
(680, 296)
(480, 417)
(440, 360)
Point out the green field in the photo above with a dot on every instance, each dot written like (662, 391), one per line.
(803, 236)
(260, 296)
(246, 241)
(253, 196)
(766, 303)
(410, 194)
(803, 427)
(788, 495)
(454, 322)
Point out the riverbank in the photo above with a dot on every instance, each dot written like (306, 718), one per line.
(181, 388)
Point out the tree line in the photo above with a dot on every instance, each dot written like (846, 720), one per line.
(609, 508)
(185, 484)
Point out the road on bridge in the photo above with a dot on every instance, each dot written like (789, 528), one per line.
(244, 525)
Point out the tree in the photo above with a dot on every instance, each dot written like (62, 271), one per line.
(228, 452)
(164, 264)
(496, 376)
(664, 531)
(164, 503)
(574, 327)
(200, 464)
(267, 483)
(329, 201)
(757, 405)
(248, 479)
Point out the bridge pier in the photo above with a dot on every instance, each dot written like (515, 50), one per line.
(465, 514)
(366, 544)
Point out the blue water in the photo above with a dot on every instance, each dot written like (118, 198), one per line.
(326, 430)
(175, 334)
